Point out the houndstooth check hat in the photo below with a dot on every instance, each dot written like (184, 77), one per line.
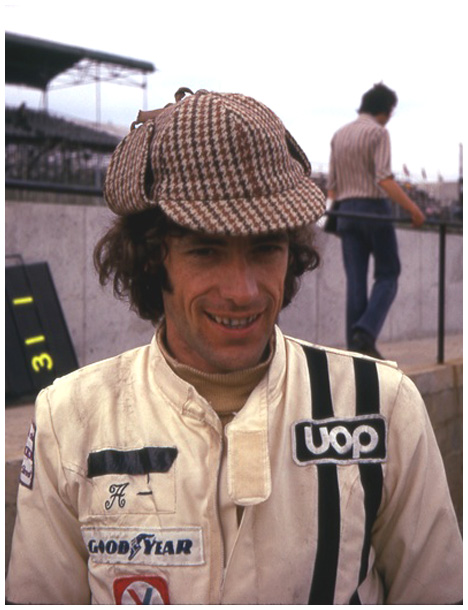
(216, 163)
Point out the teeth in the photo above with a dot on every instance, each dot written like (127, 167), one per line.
(234, 322)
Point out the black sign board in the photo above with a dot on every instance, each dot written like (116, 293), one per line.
(38, 345)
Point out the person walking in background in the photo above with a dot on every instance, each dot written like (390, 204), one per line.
(361, 180)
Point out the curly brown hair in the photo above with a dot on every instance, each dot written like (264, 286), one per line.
(131, 254)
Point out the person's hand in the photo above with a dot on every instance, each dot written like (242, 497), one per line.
(418, 217)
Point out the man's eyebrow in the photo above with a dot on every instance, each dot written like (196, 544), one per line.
(205, 240)
(281, 236)
(202, 239)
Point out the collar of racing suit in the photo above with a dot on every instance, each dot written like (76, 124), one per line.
(226, 392)
(248, 458)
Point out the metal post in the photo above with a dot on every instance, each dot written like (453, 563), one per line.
(460, 180)
(145, 92)
(45, 100)
(441, 321)
(98, 94)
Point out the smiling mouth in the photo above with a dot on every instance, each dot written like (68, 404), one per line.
(235, 323)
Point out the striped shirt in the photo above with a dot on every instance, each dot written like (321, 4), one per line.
(360, 159)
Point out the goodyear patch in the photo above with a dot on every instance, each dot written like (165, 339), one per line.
(145, 546)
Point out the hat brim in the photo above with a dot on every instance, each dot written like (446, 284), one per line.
(295, 207)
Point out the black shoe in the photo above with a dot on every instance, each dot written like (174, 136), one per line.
(363, 343)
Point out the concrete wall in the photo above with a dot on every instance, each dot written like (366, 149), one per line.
(318, 312)
(442, 390)
(101, 326)
(64, 236)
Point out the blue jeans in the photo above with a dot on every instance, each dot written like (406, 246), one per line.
(360, 239)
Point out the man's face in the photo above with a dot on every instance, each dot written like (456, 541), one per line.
(226, 295)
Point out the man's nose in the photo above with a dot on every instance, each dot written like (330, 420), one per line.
(239, 282)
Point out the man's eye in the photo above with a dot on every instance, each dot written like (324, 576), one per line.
(269, 248)
(204, 252)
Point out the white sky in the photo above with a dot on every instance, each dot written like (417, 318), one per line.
(309, 60)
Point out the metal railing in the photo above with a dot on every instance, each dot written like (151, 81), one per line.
(441, 226)
(52, 187)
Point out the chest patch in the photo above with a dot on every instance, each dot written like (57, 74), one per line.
(27, 467)
(133, 462)
(141, 590)
(361, 439)
(170, 546)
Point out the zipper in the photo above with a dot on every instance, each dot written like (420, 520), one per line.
(226, 563)
(235, 540)
(218, 517)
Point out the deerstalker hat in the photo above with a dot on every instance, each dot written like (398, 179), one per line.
(215, 163)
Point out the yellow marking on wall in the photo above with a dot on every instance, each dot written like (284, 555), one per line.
(22, 300)
(33, 340)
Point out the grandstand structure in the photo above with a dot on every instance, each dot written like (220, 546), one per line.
(48, 153)
(44, 152)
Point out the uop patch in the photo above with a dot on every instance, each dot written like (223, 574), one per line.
(27, 467)
(359, 439)
(182, 546)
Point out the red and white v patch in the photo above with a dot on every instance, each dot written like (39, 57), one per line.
(141, 590)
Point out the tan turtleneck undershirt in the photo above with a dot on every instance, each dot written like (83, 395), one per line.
(226, 393)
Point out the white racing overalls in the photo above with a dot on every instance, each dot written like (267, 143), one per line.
(333, 458)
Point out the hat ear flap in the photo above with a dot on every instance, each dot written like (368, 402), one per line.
(129, 178)
(297, 153)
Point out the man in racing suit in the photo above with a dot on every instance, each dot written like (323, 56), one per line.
(225, 463)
